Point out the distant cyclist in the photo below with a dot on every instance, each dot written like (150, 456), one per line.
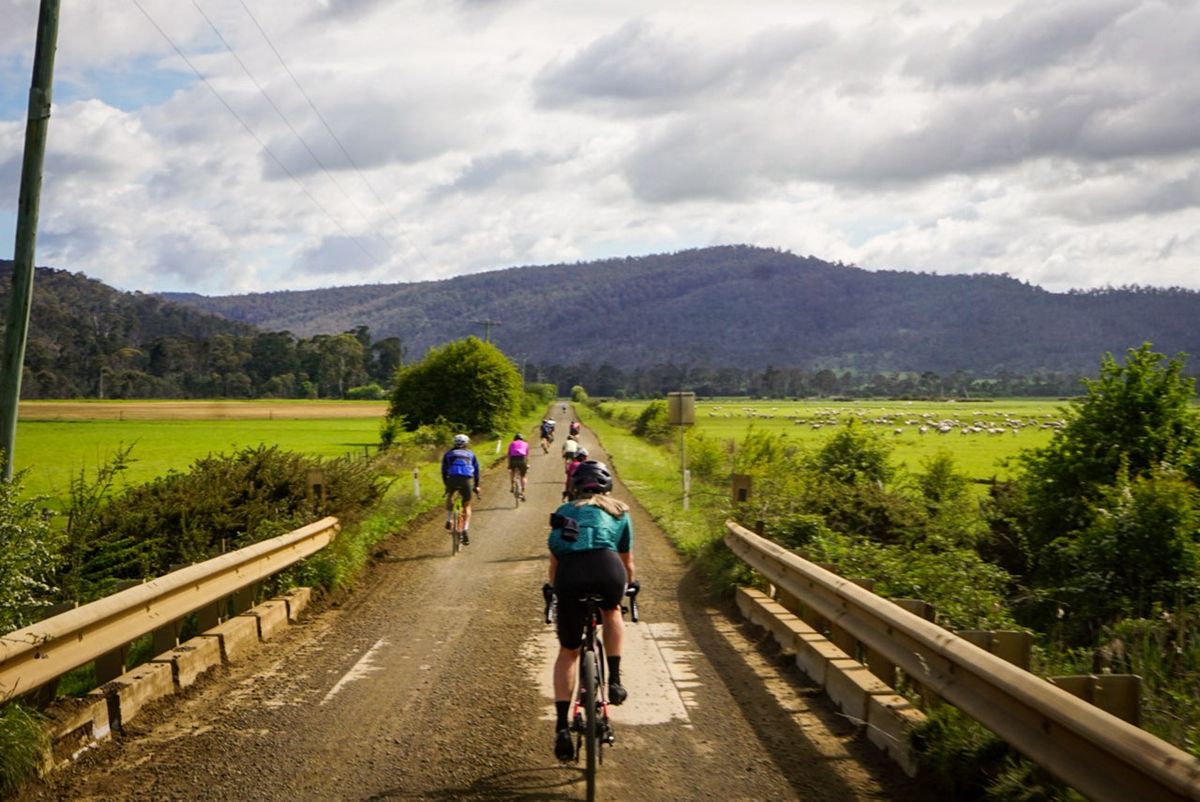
(573, 429)
(518, 461)
(591, 551)
(570, 446)
(460, 474)
(581, 456)
(547, 433)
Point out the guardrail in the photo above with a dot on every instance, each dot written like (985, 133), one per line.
(1098, 754)
(44, 651)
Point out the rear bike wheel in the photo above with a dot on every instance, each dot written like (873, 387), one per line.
(516, 491)
(455, 531)
(589, 689)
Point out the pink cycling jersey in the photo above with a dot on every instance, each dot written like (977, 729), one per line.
(518, 448)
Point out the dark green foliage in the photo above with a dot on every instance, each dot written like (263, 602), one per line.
(652, 422)
(469, 382)
(854, 455)
(578, 394)
(1136, 415)
(221, 503)
(1104, 519)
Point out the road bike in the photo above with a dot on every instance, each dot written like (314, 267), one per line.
(518, 496)
(589, 710)
(458, 535)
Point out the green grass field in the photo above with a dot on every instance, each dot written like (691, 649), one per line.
(980, 435)
(55, 451)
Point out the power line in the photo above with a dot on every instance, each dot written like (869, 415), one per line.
(288, 122)
(350, 159)
(250, 131)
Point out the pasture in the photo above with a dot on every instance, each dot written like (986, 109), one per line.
(982, 436)
(58, 439)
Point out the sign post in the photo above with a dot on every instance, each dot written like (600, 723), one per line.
(681, 412)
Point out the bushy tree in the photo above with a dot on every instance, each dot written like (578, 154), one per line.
(469, 382)
(578, 394)
(1137, 415)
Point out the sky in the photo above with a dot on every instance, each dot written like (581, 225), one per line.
(229, 146)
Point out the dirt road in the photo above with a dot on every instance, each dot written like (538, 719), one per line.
(432, 682)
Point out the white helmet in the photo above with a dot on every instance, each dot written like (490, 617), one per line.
(461, 440)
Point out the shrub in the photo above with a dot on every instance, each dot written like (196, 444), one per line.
(23, 745)
(29, 555)
(578, 394)
(366, 392)
(652, 424)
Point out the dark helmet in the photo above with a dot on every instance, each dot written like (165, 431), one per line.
(591, 477)
(518, 436)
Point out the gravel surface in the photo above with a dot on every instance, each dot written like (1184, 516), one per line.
(432, 681)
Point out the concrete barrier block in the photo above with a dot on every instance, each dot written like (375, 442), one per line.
(271, 616)
(814, 654)
(191, 659)
(129, 693)
(851, 685)
(296, 599)
(890, 721)
(236, 636)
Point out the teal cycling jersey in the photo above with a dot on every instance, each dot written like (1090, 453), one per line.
(597, 530)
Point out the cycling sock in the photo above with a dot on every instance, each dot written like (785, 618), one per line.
(560, 714)
(614, 668)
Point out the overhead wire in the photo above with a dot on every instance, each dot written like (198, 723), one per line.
(288, 123)
(249, 130)
(345, 152)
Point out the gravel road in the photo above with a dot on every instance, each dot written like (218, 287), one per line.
(432, 681)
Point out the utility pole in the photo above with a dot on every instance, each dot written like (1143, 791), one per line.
(17, 328)
(487, 328)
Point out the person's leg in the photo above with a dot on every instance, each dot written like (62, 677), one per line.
(564, 673)
(449, 506)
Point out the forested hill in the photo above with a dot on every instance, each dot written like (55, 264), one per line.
(746, 307)
(82, 331)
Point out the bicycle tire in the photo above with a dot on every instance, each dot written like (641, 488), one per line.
(516, 491)
(590, 688)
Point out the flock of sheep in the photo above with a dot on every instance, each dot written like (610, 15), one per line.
(980, 422)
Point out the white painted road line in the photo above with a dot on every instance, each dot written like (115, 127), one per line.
(656, 667)
(362, 668)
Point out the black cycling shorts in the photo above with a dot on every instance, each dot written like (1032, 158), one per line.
(518, 464)
(598, 571)
(461, 485)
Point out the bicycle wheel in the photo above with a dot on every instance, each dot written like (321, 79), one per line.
(589, 689)
(455, 531)
(516, 491)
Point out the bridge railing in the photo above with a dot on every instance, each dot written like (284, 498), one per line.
(42, 652)
(1095, 752)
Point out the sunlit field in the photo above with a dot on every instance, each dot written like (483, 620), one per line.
(55, 440)
(980, 435)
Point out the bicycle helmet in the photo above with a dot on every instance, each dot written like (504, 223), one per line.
(591, 477)
(518, 436)
(580, 454)
(461, 440)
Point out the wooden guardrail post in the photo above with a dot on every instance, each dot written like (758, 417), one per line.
(1119, 694)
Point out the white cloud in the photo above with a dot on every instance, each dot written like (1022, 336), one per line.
(1054, 142)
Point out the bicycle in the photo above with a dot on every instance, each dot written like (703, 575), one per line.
(516, 490)
(589, 712)
(458, 535)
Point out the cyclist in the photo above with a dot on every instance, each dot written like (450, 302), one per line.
(570, 446)
(460, 474)
(548, 430)
(518, 461)
(590, 552)
(573, 429)
(581, 455)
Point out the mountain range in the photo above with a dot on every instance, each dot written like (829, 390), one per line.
(742, 306)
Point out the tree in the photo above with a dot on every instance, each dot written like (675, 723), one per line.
(1137, 415)
(467, 382)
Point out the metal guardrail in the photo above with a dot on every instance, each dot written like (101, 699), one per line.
(1096, 753)
(39, 653)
